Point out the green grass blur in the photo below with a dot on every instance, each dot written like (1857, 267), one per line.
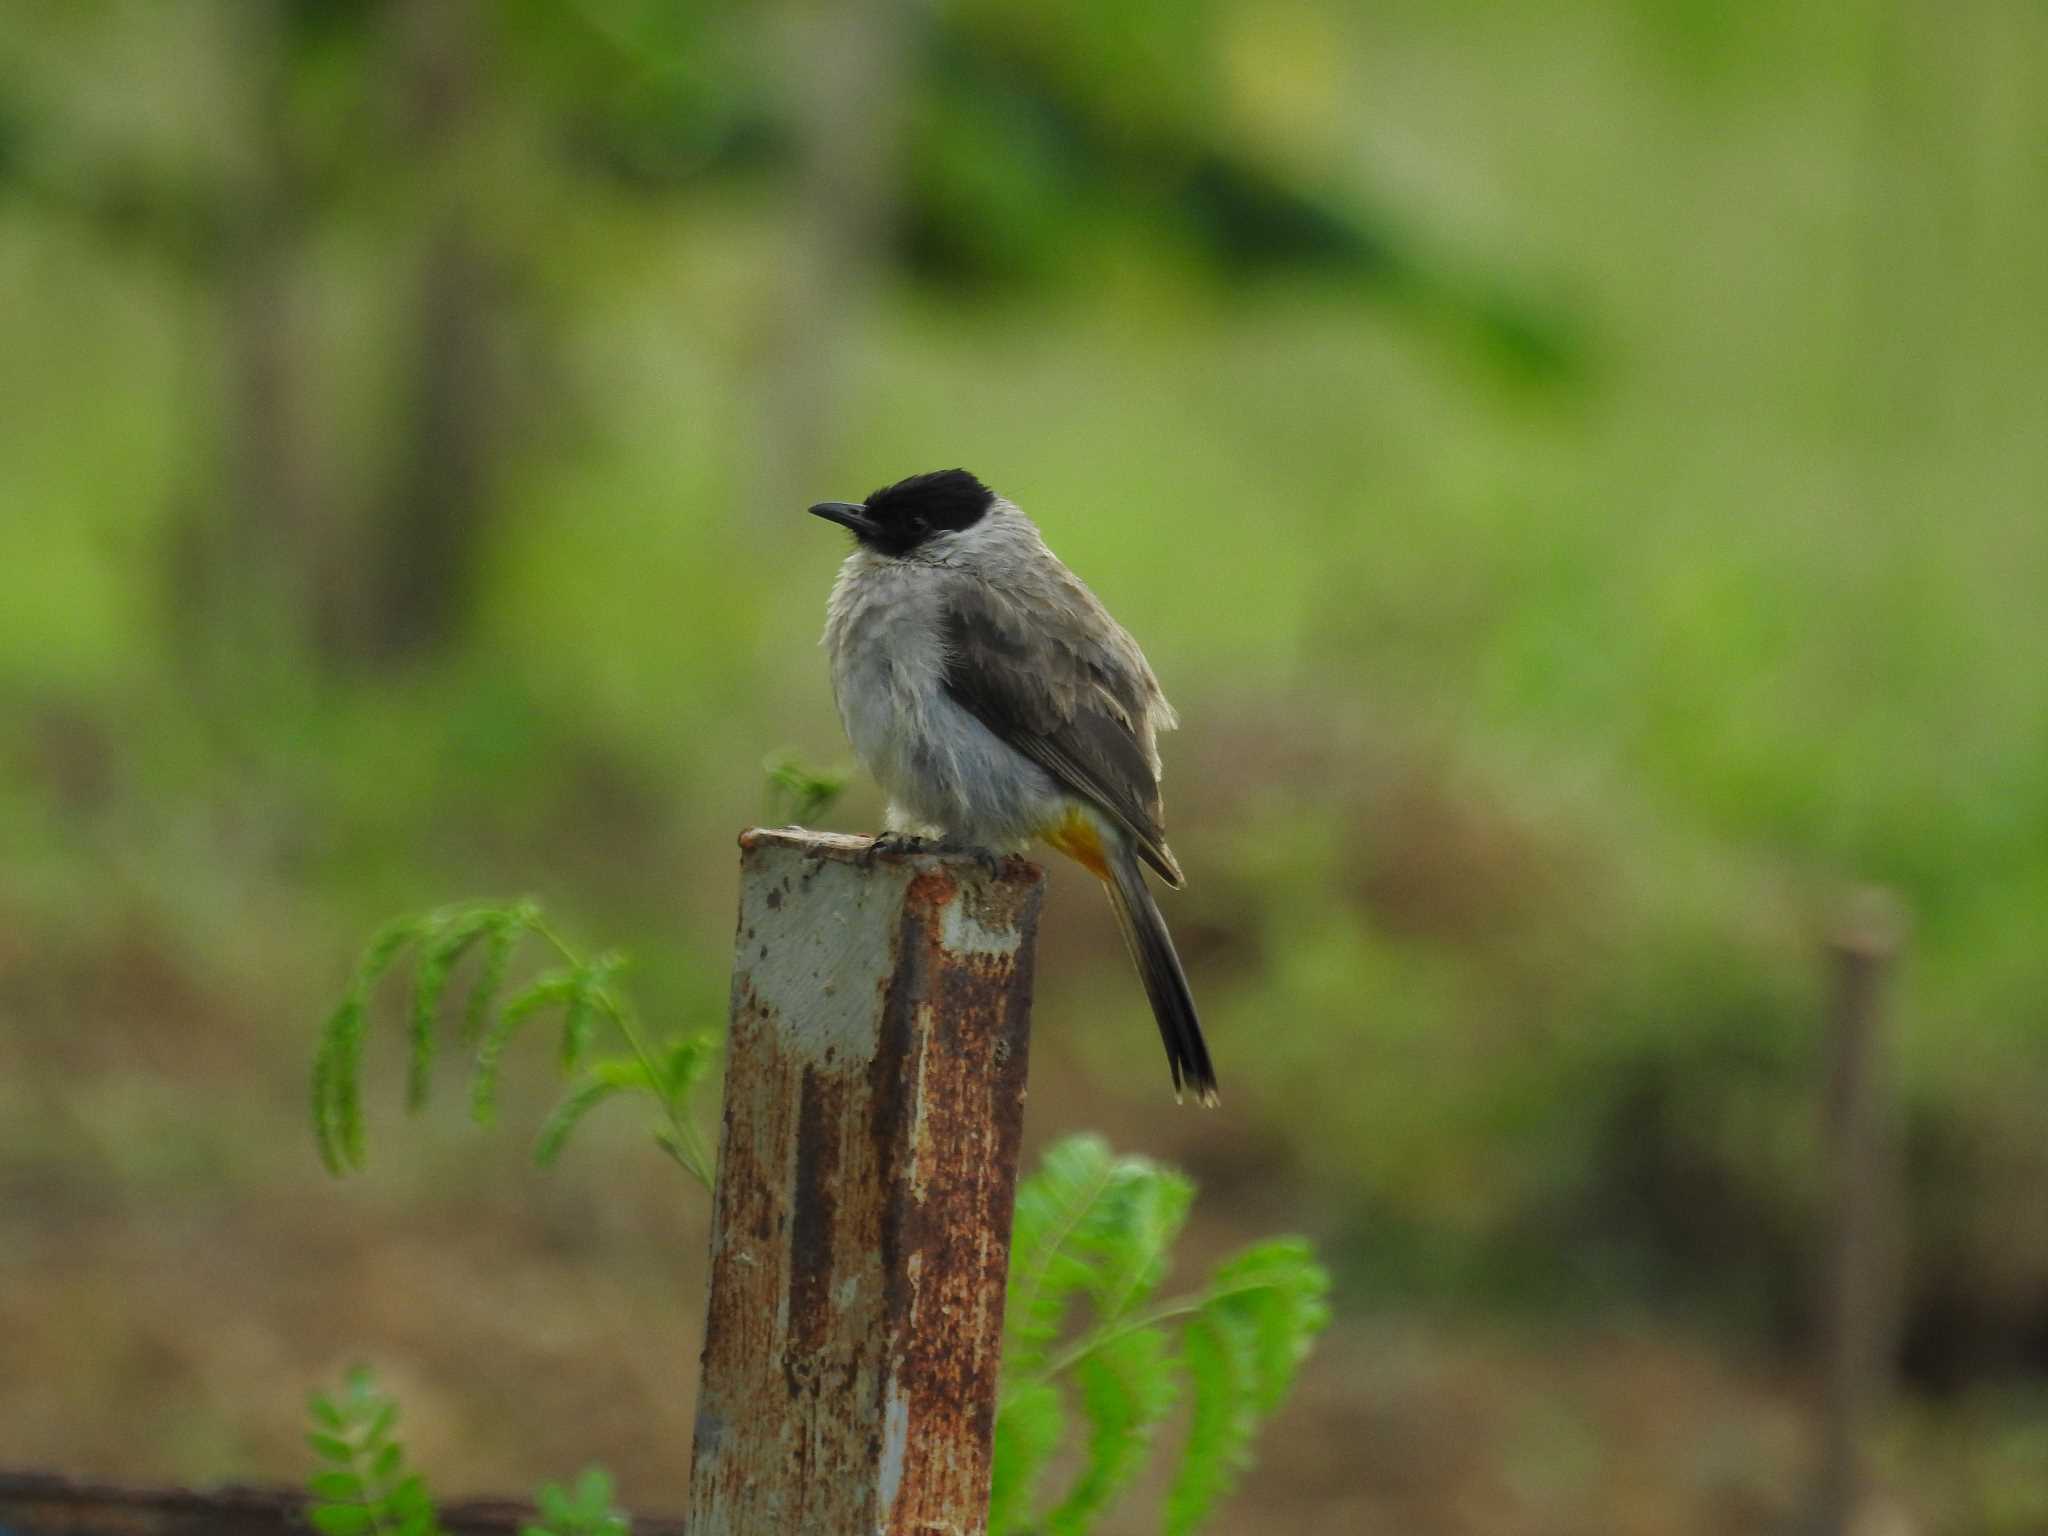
(1568, 606)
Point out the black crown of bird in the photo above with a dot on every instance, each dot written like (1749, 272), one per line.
(996, 701)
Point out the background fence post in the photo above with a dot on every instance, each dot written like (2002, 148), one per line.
(1859, 1302)
(874, 1100)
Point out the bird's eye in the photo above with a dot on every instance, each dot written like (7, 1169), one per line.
(919, 523)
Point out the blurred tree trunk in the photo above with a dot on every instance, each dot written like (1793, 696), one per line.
(418, 562)
(852, 66)
(248, 568)
(289, 558)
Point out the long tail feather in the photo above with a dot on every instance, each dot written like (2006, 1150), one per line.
(1166, 984)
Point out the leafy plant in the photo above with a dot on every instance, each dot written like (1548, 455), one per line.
(581, 990)
(1093, 1234)
(362, 1487)
(797, 792)
(1088, 1341)
(584, 1509)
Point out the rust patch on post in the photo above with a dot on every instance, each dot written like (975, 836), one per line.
(874, 1106)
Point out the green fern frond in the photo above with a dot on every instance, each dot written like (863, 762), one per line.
(593, 996)
(449, 935)
(501, 934)
(362, 1487)
(1143, 1212)
(1127, 1386)
(337, 1109)
(688, 1063)
(1092, 1226)
(1053, 1207)
(337, 1065)
(1256, 1322)
(1217, 1353)
(582, 1510)
(1088, 1222)
(605, 1080)
(384, 948)
(1281, 1294)
(553, 989)
(798, 792)
(582, 989)
(1028, 1429)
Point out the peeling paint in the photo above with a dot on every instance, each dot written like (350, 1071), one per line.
(867, 1163)
(895, 1442)
(965, 931)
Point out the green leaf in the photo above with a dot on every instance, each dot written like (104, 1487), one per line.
(361, 1386)
(501, 933)
(337, 1087)
(796, 792)
(363, 1488)
(1144, 1210)
(1279, 1293)
(330, 1447)
(321, 1410)
(1127, 1386)
(550, 990)
(1052, 1206)
(381, 1411)
(593, 1090)
(340, 1519)
(384, 947)
(410, 1495)
(1094, 1225)
(592, 996)
(1087, 1222)
(584, 1510)
(1262, 1311)
(594, 1491)
(689, 1061)
(1217, 1351)
(1028, 1428)
(448, 937)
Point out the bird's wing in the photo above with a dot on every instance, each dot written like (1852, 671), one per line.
(1083, 709)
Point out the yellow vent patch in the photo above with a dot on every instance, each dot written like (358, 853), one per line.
(1075, 835)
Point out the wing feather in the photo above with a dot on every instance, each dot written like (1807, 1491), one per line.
(1084, 707)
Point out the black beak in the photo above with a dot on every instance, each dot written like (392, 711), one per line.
(848, 514)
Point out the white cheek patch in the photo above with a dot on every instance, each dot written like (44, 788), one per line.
(1002, 534)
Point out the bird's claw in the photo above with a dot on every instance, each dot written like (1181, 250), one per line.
(895, 844)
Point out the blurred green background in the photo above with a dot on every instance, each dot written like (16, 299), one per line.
(1578, 469)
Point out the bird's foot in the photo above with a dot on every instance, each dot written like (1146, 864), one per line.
(895, 844)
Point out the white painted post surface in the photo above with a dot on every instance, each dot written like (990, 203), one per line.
(873, 1107)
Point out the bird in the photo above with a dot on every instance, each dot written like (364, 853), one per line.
(996, 701)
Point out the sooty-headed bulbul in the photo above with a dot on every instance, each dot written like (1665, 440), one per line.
(995, 700)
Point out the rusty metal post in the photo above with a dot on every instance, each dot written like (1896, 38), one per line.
(874, 1099)
(1859, 1302)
